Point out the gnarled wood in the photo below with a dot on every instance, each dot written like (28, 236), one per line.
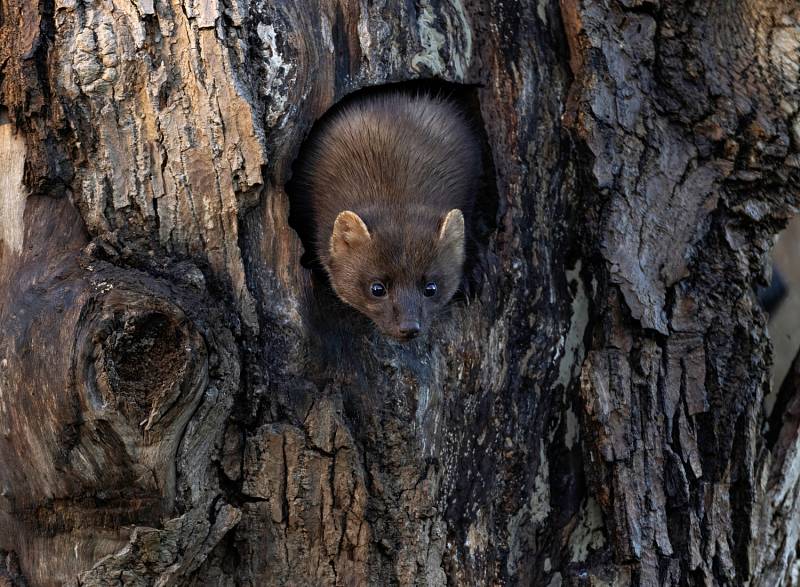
(183, 403)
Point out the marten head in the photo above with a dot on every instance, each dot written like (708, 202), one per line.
(399, 271)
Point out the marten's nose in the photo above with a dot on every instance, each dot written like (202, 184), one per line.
(409, 328)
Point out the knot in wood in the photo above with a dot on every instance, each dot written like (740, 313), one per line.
(148, 360)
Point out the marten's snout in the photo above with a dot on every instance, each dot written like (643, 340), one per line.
(409, 328)
(408, 314)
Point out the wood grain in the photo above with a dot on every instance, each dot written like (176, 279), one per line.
(183, 403)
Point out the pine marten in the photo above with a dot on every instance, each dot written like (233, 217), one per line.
(388, 183)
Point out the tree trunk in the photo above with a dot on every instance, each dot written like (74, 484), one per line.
(181, 403)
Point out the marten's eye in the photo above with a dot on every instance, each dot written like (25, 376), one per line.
(430, 289)
(378, 289)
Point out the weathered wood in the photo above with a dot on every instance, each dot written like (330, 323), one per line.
(182, 402)
(686, 115)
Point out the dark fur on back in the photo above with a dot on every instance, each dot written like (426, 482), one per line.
(400, 163)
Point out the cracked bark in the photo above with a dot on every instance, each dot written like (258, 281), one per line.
(178, 406)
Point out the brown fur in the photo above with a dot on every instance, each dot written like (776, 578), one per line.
(378, 180)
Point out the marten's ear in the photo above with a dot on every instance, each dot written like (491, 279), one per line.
(451, 230)
(349, 232)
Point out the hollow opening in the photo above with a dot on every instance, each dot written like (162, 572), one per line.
(482, 224)
(143, 358)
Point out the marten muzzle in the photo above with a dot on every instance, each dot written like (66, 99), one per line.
(408, 314)
(409, 328)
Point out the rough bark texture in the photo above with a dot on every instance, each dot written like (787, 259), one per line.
(182, 403)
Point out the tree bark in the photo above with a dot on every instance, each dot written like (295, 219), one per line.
(182, 403)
